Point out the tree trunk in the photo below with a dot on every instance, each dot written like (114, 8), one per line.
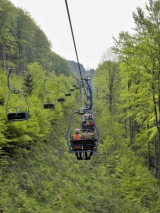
(155, 157)
(3, 54)
(159, 154)
(131, 131)
(149, 157)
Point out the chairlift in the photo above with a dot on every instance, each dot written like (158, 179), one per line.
(68, 90)
(48, 105)
(86, 145)
(61, 99)
(72, 89)
(19, 113)
(67, 94)
(61, 94)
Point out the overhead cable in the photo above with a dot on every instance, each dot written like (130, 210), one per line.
(73, 39)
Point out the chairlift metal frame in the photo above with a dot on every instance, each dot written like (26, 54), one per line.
(17, 115)
(49, 105)
(82, 142)
(60, 99)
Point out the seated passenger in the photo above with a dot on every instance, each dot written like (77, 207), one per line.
(91, 123)
(86, 116)
(77, 136)
(88, 136)
(87, 105)
(84, 123)
(90, 116)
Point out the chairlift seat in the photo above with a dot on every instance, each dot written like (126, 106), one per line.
(72, 89)
(17, 116)
(87, 127)
(61, 99)
(68, 94)
(83, 145)
(76, 144)
(48, 106)
(89, 143)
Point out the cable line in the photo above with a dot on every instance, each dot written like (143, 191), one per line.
(82, 85)
(73, 38)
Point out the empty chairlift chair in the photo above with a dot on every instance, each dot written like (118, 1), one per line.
(49, 104)
(60, 94)
(67, 93)
(71, 89)
(16, 113)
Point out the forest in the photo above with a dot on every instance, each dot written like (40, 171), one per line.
(37, 172)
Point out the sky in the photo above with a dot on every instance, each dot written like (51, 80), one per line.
(94, 24)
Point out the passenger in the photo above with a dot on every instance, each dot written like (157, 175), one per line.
(90, 116)
(84, 123)
(87, 135)
(86, 116)
(77, 136)
(87, 105)
(91, 123)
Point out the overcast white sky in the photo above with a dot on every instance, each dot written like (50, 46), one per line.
(94, 23)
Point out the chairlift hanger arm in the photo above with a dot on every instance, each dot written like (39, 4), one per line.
(69, 125)
(44, 87)
(25, 97)
(90, 92)
(8, 82)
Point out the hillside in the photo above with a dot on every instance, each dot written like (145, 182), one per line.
(38, 174)
(75, 68)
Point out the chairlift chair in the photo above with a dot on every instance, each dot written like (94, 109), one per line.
(17, 115)
(82, 146)
(87, 145)
(67, 94)
(48, 105)
(71, 89)
(61, 98)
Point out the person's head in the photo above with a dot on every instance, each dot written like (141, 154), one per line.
(77, 131)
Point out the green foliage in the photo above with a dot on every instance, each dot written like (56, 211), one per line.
(23, 42)
(75, 68)
(37, 173)
(127, 173)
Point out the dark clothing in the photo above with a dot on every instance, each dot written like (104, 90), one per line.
(79, 157)
(88, 157)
